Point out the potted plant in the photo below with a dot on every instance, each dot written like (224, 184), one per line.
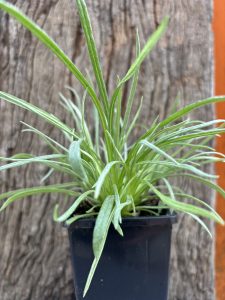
(122, 191)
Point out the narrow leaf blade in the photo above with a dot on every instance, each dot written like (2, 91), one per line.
(101, 229)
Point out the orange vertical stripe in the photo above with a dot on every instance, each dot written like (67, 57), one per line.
(219, 48)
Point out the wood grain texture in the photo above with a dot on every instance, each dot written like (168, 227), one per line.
(34, 261)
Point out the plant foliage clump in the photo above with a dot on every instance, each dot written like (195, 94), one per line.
(111, 177)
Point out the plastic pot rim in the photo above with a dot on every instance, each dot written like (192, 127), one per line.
(167, 219)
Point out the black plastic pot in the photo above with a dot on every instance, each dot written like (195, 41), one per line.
(133, 267)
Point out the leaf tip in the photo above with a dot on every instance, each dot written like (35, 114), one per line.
(55, 213)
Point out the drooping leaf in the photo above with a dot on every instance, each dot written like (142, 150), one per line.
(101, 229)
(78, 217)
(45, 159)
(51, 142)
(204, 226)
(22, 193)
(184, 111)
(208, 183)
(38, 111)
(75, 159)
(159, 151)
(117, 218)
(72, 208)
(184, 207)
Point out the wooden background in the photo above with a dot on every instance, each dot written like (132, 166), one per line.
(34, 261)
